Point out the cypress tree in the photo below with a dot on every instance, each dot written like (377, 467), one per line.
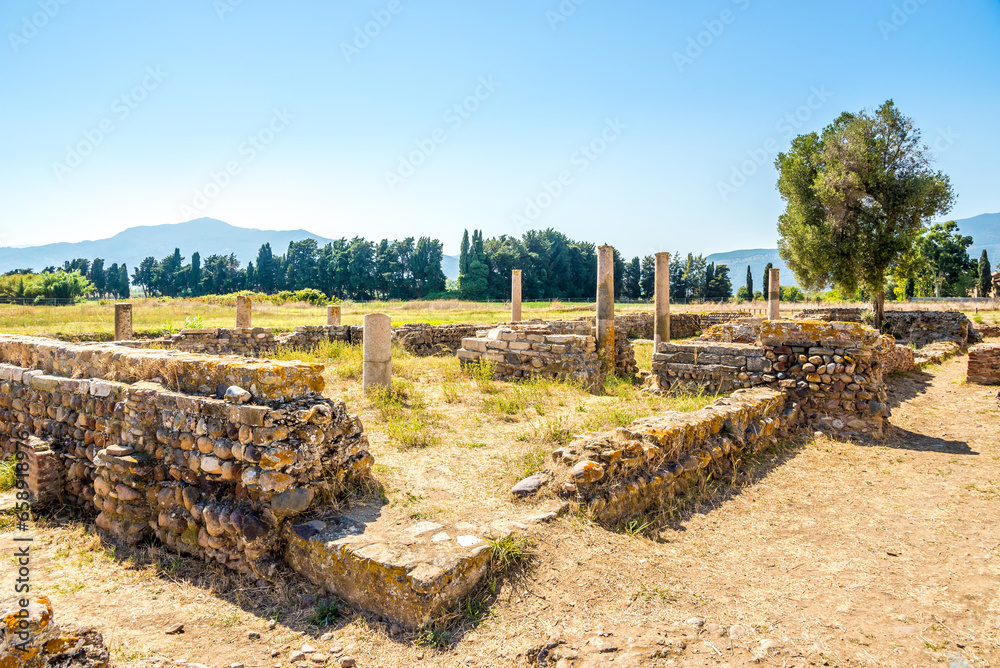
(749, 284)
(463, 258)
(985, 275)
(765, 287)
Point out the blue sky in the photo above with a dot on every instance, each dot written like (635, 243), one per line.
(647, 125)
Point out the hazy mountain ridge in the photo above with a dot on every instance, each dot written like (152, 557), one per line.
(209, 236)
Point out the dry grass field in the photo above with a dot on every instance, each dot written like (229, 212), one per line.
(819, 552)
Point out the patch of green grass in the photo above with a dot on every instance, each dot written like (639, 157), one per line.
(8, 474)
(325, 613)
(433, 636)
(635, 528)
(555, 431)
(482, 373)
(407, 421)
(509, 552)
(521, 466)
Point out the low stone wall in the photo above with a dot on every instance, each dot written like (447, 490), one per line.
(208, 478)
(834, 370)
(745, 330)
(634, 325)
(266, 380)
(420, 338)
(924, 327)
(616, 474)
(710, 367)
(984, 364)
(306, 337)
(830, 314)
(896, 357)
(988, 330)
(687, 325)
(522, 351)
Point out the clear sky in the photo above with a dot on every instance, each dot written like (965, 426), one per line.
(639, 124)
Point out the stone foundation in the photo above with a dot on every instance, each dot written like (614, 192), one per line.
(613, 475)
(921, 328)
(984, 364)
(44, 644)
(207, 477)
(522, 351)
(834, 370)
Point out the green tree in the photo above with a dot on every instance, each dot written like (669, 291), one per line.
(143, 275)
(97, 276)
(765, 285)
(856, 199)
(463, 257)
(194, 274)
(985, 282)
(647, 277)
(749, 286)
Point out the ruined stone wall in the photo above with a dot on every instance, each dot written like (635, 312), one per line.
(307, 337)
(830, 314)
(984, 364)
(896, 357)
(634, 325)
(522, 351)
(834, 370)
(208, 478)
(249, 342)
(925, 327)
(712, 367)
(687, 325)
(420, 338)
(617, 474)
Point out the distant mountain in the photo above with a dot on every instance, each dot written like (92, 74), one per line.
(984, 230)
(204, 235)
(450, 267)
(757, 258)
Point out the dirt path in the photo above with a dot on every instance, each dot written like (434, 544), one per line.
(831, 554)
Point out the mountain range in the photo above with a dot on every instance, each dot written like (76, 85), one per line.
(209, 236)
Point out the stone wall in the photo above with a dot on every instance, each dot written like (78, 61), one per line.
(616, 474)
(634, 325)
(420, 338)
(896, 357)
(830, 314)
(249, 342)
(984, 364)
(207, 477)
(522, 351)
(306, 337)
(834, 370)
(687, 325)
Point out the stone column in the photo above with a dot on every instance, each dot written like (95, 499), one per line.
(333, 316)
(774, 294)
(123, 321)
(515, 295)
(244, 309)
(377, 351)
(606, 307)
(661, 314)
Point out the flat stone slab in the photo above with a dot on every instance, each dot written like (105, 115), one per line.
(409, 572)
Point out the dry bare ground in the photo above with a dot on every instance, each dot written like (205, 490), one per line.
(821, 553)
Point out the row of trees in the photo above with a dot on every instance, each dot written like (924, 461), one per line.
(557, 267)
(346, 269)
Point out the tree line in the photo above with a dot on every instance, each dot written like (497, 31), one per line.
(557, 267)
(345, 269)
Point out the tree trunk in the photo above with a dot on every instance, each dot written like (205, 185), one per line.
(879, 309)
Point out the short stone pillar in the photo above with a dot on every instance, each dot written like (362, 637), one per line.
(333, 316)
(515, 295)
(661, 314)
(244, 312)
(123, 321)
(606, 308)
(376, 352)
(774, 295)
